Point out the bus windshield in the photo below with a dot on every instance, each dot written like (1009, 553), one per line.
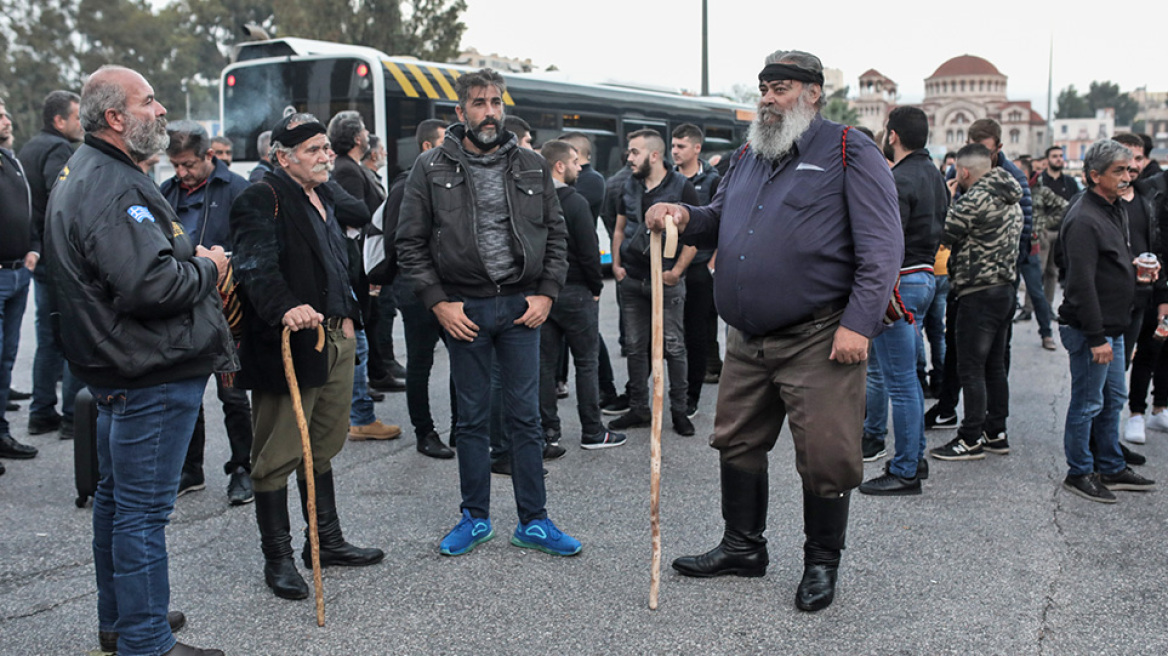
(257, 96)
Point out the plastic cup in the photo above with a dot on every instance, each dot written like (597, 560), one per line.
(1146, 266)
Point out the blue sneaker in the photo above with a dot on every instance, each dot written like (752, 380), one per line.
(466, 535)
(542, 534)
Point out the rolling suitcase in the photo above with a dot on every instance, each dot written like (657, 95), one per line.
(85, 446)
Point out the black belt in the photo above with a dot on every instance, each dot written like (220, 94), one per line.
(12, 264)
(334, 323)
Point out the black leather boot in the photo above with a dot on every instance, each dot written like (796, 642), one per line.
(825, 521)
(276, 542)
(333, 548)
(743, 549)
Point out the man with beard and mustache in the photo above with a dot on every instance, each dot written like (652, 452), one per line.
(651, 182)
(145, 330)
(292, 263)
(924, 200)
(483, 242)
(1066, 187)
(809, 245)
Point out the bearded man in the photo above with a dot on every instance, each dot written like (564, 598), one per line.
(145, 330)
(809, 246)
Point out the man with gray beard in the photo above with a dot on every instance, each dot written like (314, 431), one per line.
(145, 330)
(809, 244)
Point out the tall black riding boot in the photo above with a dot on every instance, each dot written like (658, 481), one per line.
(825, 521)
(276, 542)
(743, 549)
(333, 548)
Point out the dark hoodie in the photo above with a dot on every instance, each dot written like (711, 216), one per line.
(982, 228)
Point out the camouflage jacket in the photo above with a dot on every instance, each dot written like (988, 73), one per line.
(983, 227)
(1049, 207)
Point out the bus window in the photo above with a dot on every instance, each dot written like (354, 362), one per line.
(585, 123)
(402, 116)
(634, 124)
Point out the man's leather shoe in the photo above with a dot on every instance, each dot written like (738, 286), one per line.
(396, 369)
(10, 448)
(109, 639)
(180, 649)
(40, 424)
(431, 445)
(334, 549)
(11, 407)
(1131, 457)
(14, 395)
(280, 572)
(817, 589)
(889, 484)
(388, 384)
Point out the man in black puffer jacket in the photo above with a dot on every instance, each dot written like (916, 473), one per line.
(140, 322)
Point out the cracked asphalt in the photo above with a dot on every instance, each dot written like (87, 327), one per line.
(993, 558)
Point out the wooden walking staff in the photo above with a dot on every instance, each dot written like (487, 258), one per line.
(306, 446)
(658, 303)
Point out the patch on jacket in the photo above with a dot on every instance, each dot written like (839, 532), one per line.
(140, 213)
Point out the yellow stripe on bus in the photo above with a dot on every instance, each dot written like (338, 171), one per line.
(442, 82)
(422, 80)
(507, 98)
(401, 79)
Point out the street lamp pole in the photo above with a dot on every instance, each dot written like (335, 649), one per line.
(705, 49)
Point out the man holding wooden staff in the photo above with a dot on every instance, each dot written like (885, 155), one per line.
(809, 245)
(291, 259)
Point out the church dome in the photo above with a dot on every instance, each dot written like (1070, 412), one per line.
(965, 65)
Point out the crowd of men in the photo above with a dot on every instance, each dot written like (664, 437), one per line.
(907, 285)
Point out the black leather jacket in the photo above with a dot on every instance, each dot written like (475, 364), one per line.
(437, 246)
(132, 305)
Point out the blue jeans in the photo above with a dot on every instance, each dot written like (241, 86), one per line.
(1097, 397)
(895, 361)
(361, 413)
(516, 347)
(1030, 270)
(934, 324)
(142, 437)
(13, 299)
(48, 365)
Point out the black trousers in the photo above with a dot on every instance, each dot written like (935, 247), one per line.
(699, 302)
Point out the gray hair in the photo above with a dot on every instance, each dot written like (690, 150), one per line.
(1101, 155)
(99, 94)
(344, 128)
(187, 136)
(264, 144)
(277, 147)
(803, 60)
(483, 77)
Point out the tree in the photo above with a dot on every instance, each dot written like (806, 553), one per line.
(427, 29)
(744, 93)
(34, 59)
(838, 110)
(1104, 95)
(1072, 105)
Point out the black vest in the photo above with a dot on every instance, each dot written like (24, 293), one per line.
(635, 247)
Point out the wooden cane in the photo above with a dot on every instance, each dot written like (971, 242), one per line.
(658, 305)
(306, 448)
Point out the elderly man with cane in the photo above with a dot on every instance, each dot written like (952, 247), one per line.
(809, 245)
(292, 264)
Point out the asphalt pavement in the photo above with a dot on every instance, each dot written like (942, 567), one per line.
(993, 558)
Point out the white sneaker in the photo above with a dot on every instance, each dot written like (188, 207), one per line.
(1134, 432)
(1158, 421)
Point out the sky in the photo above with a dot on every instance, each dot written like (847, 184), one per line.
(659, 43)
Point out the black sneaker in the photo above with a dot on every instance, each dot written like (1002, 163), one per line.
(606, 440)
(889, 484)
(934, 419)
(923, 469)
(16, 395)
(618, 405)
(431, 445)
(502, 467)
(958, 450)
(712, 378)
(190, 482)
(552, 451)
(873, 448)
(681, 424)
(630, 420)
(239, 490)
(1131, 457)
(66, 432)
(691, 408)
(1127, 480)
(561, 390)
(996, 444)
(1088, 487)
